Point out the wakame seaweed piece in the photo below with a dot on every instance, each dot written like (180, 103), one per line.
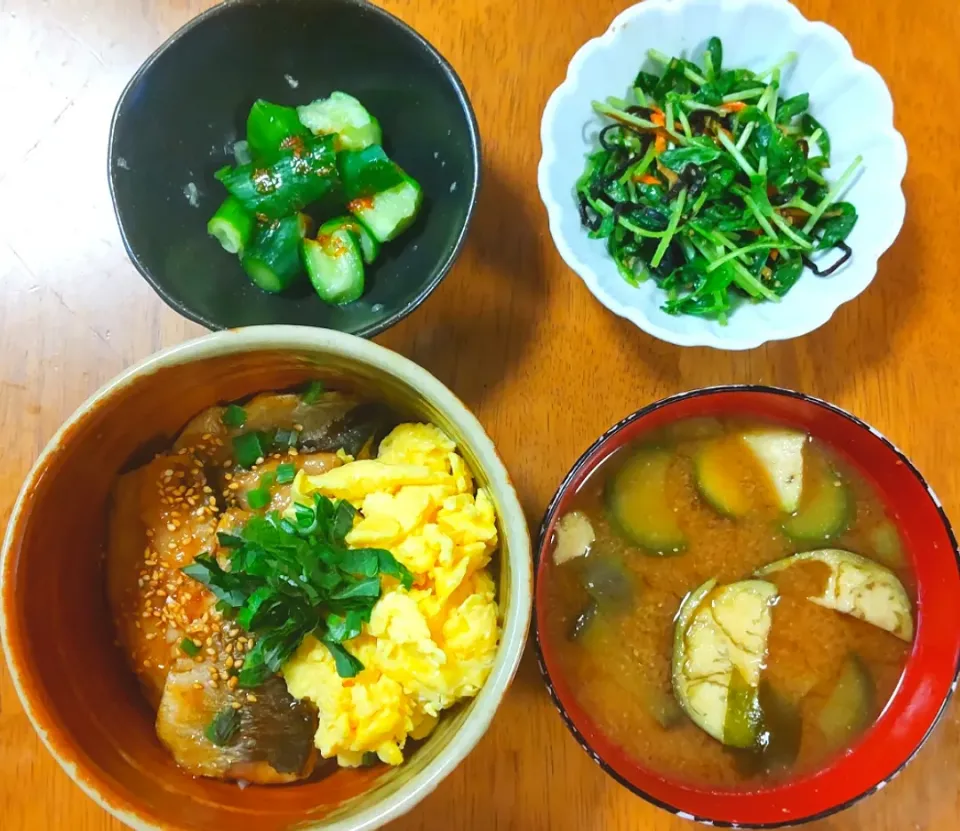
(589, 218)
(581, 623)
(827, 272)
(301, 174)
(605, 142)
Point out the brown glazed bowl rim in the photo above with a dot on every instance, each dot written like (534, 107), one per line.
(517, 613)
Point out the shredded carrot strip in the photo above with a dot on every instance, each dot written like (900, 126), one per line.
(774, 253)
(658, 118)
(647, 179)
(660, 145)
(733, 106)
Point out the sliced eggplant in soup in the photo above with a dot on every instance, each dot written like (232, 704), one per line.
(574, 536)
(859, 587)
(780, 454)
(720, 644)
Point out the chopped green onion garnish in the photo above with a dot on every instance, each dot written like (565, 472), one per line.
(286, 581)
(234, 416)
(188, 647)
(224, 727)
(258, 498)
(313, 392)
(285, 438)
(247, 449)
(286, 473)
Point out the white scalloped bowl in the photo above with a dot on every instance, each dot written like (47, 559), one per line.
(848, 97)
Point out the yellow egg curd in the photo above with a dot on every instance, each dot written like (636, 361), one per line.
(424, 649)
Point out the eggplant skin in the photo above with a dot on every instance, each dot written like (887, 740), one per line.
(273, 745)
(280, 729)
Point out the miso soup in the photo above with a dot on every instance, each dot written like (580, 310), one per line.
(729, 602)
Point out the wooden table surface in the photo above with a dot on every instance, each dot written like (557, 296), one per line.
(511, 330)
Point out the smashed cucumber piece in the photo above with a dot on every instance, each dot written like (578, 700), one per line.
(369, 246)
(638, 506)
(851, 706)
(334, 265)
(858, 587)
(720, 644)
(389, 213)
(344, 116)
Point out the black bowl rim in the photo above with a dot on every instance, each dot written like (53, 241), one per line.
(475, 144)
(541, 543)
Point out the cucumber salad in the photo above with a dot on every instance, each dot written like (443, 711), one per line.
(325, 157)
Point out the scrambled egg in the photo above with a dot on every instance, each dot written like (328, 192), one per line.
(425, 649)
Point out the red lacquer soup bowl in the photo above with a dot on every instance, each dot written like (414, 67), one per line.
(932, 668)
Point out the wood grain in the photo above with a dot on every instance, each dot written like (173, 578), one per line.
(511, 330)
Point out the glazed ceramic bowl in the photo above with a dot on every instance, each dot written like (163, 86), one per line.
(931, 672)
(57, 633)
(180, 115)
(848, 97)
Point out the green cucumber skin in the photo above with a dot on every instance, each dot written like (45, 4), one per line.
(269, 126)
(367, 172)
(234, 221)
(272, 261)
(299, 176)
(382, 218)
(369, 246)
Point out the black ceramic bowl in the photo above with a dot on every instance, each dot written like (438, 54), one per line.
(179, 116)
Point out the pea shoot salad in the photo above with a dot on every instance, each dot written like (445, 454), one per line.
(714, 185)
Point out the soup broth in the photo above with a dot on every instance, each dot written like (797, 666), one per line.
(825, 637)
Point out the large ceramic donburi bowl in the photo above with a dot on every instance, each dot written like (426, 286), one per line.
(58, 636)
